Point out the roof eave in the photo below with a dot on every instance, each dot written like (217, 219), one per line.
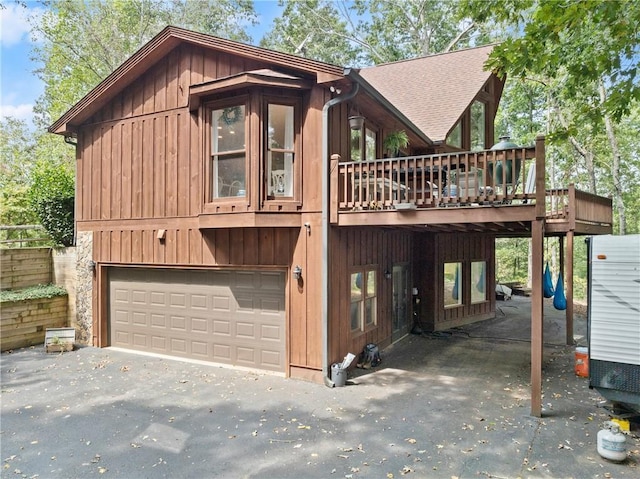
(156, 48)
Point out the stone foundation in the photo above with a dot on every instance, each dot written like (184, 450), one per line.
(84, 288)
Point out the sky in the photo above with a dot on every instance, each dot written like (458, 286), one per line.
(19, 86)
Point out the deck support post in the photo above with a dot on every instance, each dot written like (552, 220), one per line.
(537, 297)
(537, 242)
(569, 280)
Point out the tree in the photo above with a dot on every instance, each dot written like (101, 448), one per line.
(398, 30)
(318, 29)
(589, 51)
(52, 195)
(18, 157)
(84, 41)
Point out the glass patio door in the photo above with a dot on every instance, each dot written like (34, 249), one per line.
(401, 298)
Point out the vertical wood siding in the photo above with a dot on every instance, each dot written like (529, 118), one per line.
(352, 248)
(139, 168)
(432, 251)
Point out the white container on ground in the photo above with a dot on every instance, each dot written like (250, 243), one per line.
(612, 443)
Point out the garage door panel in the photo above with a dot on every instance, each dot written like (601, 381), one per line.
(230, 317)
(198, 301)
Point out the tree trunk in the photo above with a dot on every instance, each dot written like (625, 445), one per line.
(615, 166)
(584, 153)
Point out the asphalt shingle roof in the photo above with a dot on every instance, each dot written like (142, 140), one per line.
(432, 91)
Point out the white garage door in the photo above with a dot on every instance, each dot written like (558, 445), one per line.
(234, 317)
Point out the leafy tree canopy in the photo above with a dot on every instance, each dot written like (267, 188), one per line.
(576, 42)
(84, 41)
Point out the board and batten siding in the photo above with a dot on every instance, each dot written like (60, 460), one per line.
(165, 86)
(353, 248)
(145, 167)
(432, 252)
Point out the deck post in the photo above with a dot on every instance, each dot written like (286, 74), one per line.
(537, 242)
(537, 297)
(569, 280)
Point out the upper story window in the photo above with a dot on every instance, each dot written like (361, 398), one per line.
(280, 150)
(363, 144)
(228, 152)
(455, 137)
(235, 142)
(478, 125)
(471, 130)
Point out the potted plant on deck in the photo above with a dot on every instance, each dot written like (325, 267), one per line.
(394, 142)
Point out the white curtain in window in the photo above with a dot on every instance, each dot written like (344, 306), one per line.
(215, 132)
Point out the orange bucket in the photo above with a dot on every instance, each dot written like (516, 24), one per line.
(582, 362)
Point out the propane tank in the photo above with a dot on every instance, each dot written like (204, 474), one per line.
(611, 442)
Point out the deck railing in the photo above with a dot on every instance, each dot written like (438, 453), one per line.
(483, 177)
(574, 205)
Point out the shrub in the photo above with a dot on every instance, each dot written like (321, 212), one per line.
(33, 292)
(52, 196)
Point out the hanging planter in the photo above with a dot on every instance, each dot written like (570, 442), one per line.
(394, 142)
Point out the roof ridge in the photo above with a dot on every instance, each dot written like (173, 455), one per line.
(433, 55)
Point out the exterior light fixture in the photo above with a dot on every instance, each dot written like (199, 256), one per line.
(387, 274)
(356, 122)
(297, 273)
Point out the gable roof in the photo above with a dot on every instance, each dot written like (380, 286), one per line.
(434, 91)
(163, 43)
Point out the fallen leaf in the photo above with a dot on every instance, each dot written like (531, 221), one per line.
(411, 440)
(406, 470)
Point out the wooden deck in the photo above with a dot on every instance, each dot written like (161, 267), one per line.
(485, 191)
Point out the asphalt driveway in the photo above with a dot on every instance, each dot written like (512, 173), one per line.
(444, 406)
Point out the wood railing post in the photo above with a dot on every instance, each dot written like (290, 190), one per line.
(540, 177)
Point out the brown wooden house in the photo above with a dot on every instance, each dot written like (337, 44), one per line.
(233, 214)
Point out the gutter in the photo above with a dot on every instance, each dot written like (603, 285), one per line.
(324, 307)
(358, 82)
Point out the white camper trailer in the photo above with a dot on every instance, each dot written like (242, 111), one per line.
(614, 318)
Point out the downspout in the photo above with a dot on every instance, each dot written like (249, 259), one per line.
(325, 229)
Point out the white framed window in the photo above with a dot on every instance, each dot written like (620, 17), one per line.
(452, 284)
(280, 150)
(478, 285)
(364, 144)
(364, 305)
(228, 152)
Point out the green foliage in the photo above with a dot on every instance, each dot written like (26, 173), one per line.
(578, 43)
(17, 148)
(395, 141)
(52, 196)
(33, 292)
(84, 41)
(397, 30)
(313, 29)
